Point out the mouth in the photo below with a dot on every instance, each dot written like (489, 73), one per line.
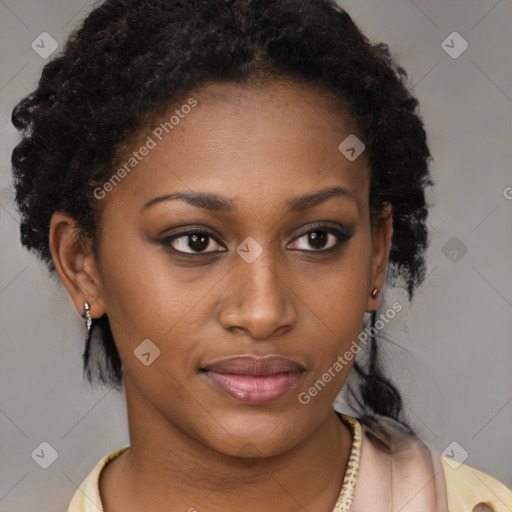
(254, 380)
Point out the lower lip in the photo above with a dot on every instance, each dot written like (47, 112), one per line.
(250, 389)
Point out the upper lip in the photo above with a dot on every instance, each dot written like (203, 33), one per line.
(253, 365)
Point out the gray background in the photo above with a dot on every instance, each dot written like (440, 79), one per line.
(451, 352)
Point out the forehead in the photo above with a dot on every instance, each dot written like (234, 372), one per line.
(260, 143)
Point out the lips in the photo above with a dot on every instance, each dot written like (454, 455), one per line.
(251, 365)
(254, 380)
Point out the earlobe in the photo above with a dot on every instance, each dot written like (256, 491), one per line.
(373, 301)
(382, 233)
(74, 262)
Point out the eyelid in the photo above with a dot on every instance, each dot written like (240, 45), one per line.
(341, 234)
(166, 242)
(326, 225)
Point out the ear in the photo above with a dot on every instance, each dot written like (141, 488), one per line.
(75, 264)
(382, 231)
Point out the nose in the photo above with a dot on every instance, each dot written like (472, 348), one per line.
(259, 298)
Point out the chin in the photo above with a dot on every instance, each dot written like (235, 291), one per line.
(255, 436)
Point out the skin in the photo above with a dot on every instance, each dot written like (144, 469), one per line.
(193, 446)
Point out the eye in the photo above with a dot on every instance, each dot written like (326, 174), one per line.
(200, 241)
(194, 241)
(322, 239)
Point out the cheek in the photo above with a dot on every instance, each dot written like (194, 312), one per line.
(149, 298)
(143, 291)
(336, 300)
(339, 290)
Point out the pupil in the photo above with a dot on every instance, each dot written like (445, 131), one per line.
(317, 240)
(200, 241)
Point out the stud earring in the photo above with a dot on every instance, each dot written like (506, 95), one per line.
(374, 293)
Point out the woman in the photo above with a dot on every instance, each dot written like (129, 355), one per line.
(224, 188)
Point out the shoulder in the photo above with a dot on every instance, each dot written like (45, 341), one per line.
(416, 477)
(87, 496)
(469, 487)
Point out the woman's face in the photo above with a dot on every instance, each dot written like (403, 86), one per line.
(253, 282)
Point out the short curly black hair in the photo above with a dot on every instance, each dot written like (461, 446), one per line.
(130, 58)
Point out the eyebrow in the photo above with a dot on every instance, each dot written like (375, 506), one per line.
(217, 203)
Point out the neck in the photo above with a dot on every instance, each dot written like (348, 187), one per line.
(166, 469)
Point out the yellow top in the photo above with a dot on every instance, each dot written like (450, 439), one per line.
(467, 487)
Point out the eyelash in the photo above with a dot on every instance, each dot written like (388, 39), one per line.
(341, 238)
